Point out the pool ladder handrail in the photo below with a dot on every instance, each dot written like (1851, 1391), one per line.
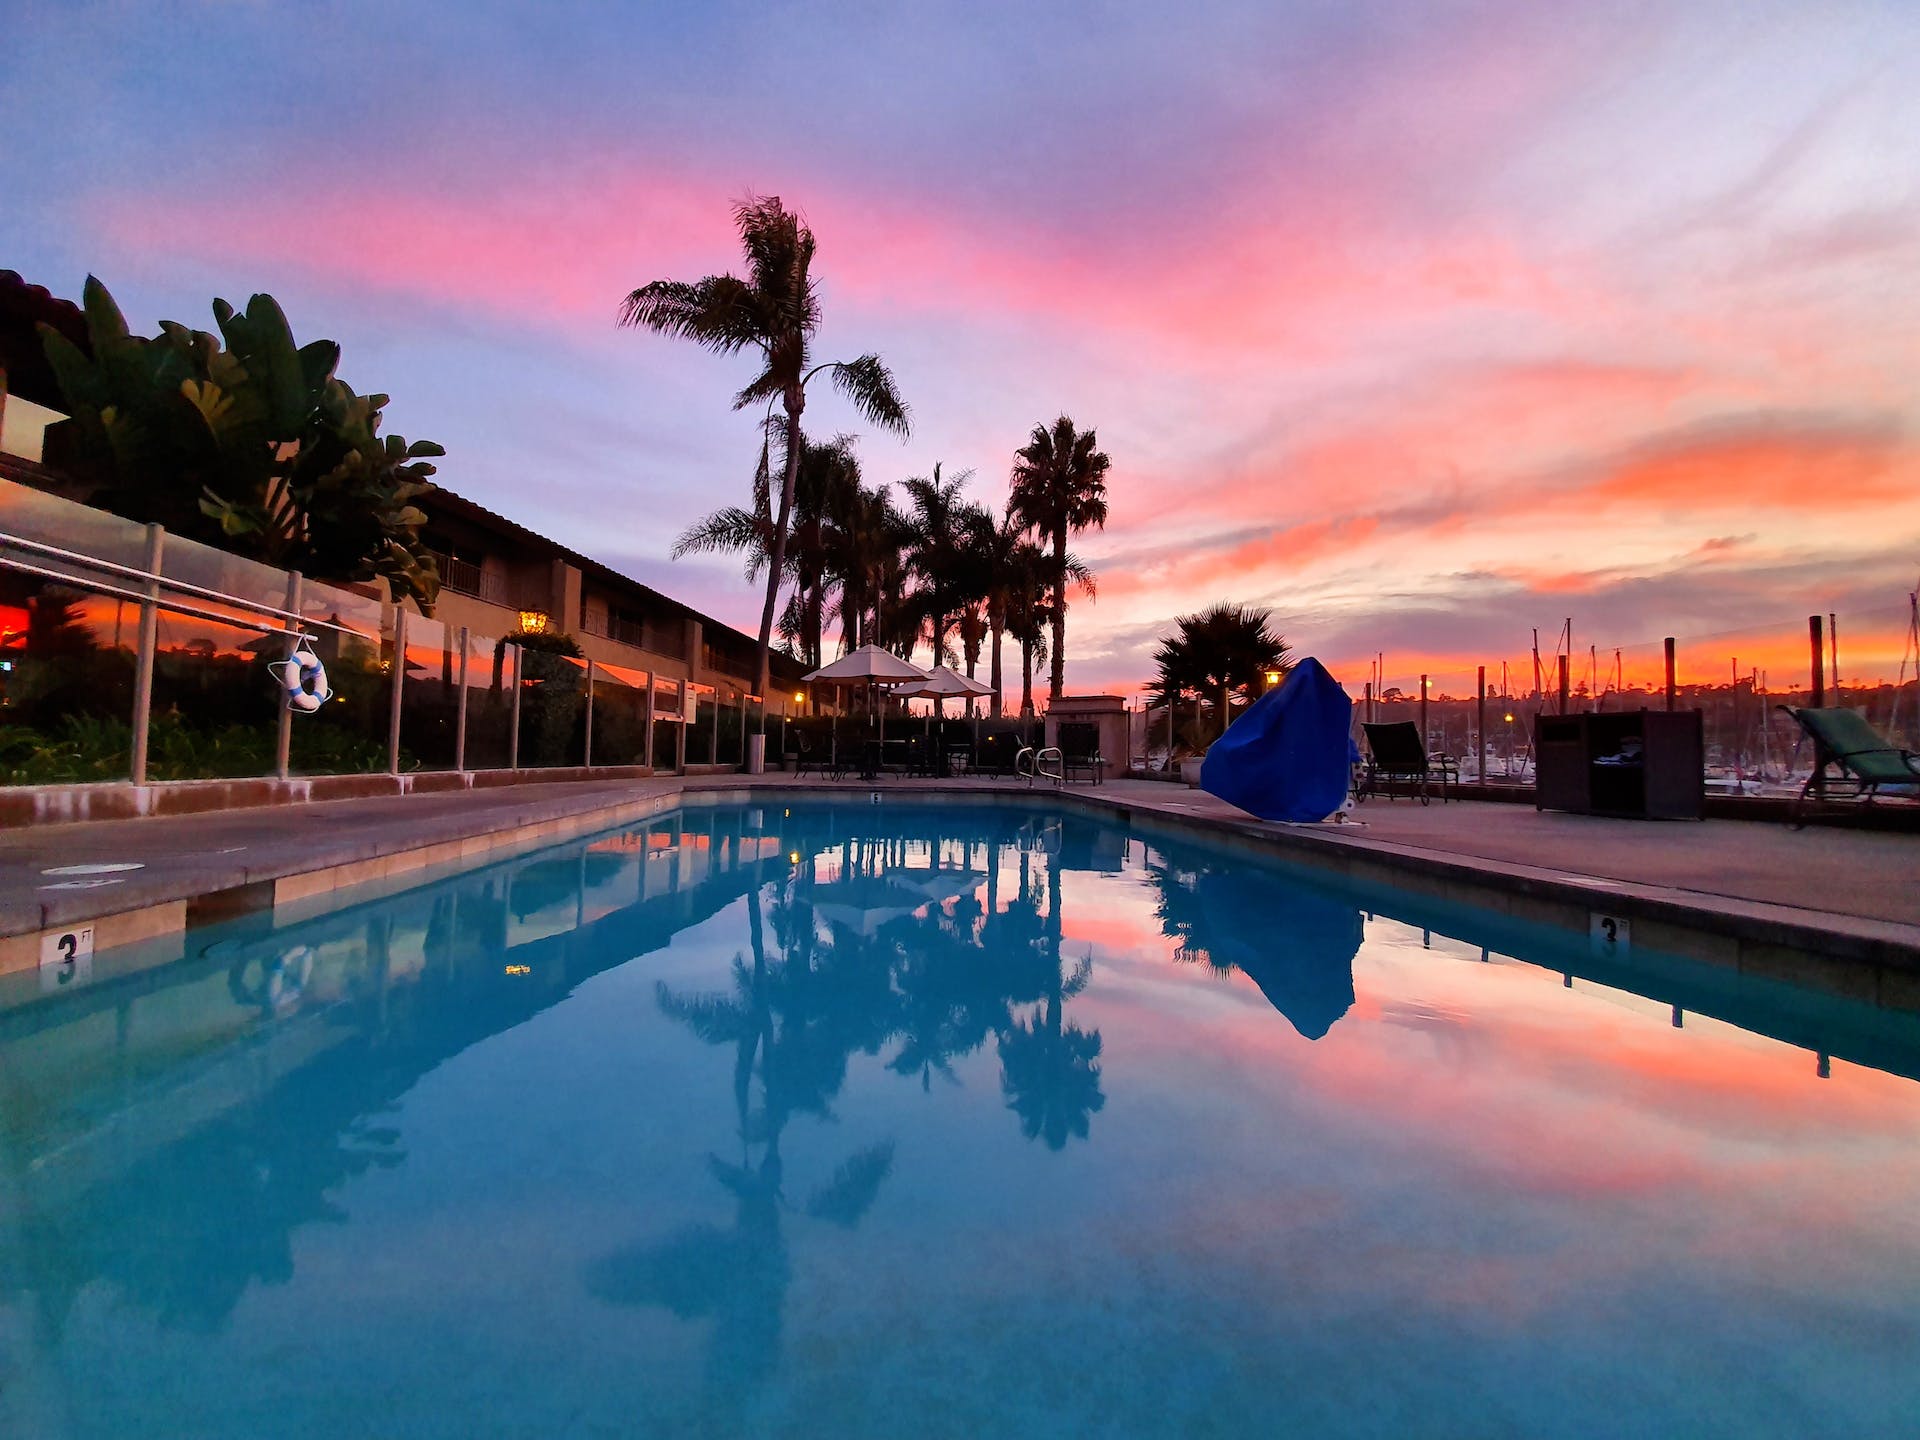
(1033, 764)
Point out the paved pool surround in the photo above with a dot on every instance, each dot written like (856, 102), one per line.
(1838, 911)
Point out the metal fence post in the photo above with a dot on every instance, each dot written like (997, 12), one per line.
(1668, 646)
(1480, 730)
(143, 657)
(586, 751)
(519, 684)
(1817, 689)
(460, 713)
(652, 714)
(713, 748)
(680, 731)
(399, 678)
(1423, 713)
(283, 741)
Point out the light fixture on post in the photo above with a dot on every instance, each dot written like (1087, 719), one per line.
(1273, 678)
(533, 622)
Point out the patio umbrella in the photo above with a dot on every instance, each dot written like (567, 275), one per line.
(874, 666)
(943, 683)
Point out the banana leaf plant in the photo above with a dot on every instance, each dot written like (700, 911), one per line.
(245, 441)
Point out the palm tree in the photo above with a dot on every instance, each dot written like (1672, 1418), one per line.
(774, 310)
(863, 545)
(1059, 485)
(828, 473)
(938, 519)
(1217, 651)
(982, 553)
(1034, 595)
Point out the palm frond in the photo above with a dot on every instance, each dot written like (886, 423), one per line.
(727, 531)
(720, 312)
(869, 385)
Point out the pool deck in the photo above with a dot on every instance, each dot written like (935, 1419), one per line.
(1757, 888)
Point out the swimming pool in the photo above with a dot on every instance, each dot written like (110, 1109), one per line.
(917, 1120)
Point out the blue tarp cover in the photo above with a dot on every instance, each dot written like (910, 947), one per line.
(1287, 758)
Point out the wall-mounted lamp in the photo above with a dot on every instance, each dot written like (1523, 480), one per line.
(534, 622)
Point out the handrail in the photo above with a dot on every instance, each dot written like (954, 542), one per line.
(1059, 777)
(132, 572)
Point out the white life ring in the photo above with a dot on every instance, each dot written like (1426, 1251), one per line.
(302, 677)
(287, 979)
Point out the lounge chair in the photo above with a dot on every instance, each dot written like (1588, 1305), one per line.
(1862, 759)
(1396, 755)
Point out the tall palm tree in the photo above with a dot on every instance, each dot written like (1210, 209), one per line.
(863, 549)
(938, 518)
(1034, 597)
(1059, 486)
(992, 550)
(828, 472)
(1217, 651)
(774, 310)
(979, 559)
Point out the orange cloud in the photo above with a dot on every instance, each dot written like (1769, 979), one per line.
(1777, 465)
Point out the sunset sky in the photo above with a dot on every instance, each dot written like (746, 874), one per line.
(1425, 324)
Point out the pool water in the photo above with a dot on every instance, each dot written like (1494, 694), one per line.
(971, 1121)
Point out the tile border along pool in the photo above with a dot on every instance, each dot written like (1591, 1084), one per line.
(197, 869)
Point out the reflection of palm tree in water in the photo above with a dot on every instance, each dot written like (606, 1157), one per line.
(1050, 1070)
(939, 981)
(792, 1025)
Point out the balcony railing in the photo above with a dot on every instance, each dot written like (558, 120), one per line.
(667, 640)
(463, 577)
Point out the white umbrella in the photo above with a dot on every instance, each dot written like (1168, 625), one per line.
(943, 683)
(876, 667)
(869, 662)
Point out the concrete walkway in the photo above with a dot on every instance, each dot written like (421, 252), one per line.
(1843, 881)
(1860, 874)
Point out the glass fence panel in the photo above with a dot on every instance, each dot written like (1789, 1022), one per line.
(1874, 667)
(619, 716)
(66, 682)
(35, 515)
(429, 696)
(667, 725)
(1737, 679)
(553, 694)
(234, 575)
(492, 675)
(342, 607)
(701, 717)
(216, 711)
(730, 734)
(348, 734)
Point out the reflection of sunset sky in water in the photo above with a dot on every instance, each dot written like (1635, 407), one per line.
(825, 1163)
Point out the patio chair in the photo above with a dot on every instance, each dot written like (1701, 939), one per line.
(1862, 759)
(1396, 755)
(1084, 760)
(801, 757)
